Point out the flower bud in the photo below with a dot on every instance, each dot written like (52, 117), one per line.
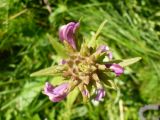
(67, 33)
(103, 48)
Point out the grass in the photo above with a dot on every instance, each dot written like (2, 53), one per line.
(132, 30)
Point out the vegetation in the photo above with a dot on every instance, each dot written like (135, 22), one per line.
(133, 29)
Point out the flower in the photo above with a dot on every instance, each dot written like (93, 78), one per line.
(117, 69)
(67, 33)
(100, 93)
(56, 94)
(105, 49)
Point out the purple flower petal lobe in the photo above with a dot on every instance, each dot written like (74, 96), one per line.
(56, 94)
(103, 48)
(100, 93)
(117, 69)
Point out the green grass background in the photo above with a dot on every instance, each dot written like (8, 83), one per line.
(133, 29)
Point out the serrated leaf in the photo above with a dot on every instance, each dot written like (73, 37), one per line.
(53, 70)
(130, 61)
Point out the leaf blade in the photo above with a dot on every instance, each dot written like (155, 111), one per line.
(130, 61)
(48, 71)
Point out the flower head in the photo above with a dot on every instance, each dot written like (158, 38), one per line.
(67, 33)
(85, 68)
(56, 94)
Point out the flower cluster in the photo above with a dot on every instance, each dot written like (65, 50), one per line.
(84, 68)
(81, 69)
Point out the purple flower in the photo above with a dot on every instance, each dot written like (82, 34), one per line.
(56, 94)
(104, 48)
(118, 70)
(67, 33)
(100, 93)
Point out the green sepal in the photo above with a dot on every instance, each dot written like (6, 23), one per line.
(110, 84)
(53, 70)
(105, 77)
(68, 47)
(84, 51)
(99, 57)
(71, 98)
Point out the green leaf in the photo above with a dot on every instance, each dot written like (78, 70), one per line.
(59, 48)
(72, 97)
(130, 61)
(96, 35)
(99, 30)
(36, 117)
(53, 70)
(79, 111)
(29, 93)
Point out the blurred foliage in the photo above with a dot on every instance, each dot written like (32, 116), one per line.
(133, 29)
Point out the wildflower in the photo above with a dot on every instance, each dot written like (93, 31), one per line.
(83, 68)
(67, 33)
(56, 94)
